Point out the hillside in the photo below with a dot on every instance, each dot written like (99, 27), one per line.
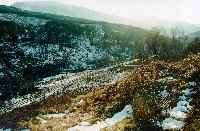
(145, 95)
(66, 73)
(35, 46)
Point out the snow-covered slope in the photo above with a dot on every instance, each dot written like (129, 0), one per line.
(35, 45)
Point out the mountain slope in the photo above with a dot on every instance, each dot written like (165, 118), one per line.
(35, 45)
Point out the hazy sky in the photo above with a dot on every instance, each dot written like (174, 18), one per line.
(171, 10)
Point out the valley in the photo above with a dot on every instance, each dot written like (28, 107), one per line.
(66, 73)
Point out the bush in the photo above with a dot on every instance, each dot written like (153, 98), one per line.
(162, 45)
(194, 47)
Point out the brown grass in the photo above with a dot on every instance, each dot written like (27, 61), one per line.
(106, 100)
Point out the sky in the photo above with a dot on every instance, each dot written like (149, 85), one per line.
(169, 10)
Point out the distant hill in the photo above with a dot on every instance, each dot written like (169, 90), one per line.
(81, 12)
(154, 22)
(66, 10)
(195, 34)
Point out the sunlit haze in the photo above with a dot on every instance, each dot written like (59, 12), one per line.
(169, 10)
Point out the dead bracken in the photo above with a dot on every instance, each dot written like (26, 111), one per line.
(141, 88)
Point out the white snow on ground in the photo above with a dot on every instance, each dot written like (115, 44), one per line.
(179, 113)
(8, 129)
(31, 98)
(43, 118)
(1, 74)
(59, 115)
(42, 121)
(83, 55)
(84, 52)
(171, 123)
(164, 93)
(5, 129)
(84, 126)
(167, 79)
(22, 19)
(19, 102)
(61, 83)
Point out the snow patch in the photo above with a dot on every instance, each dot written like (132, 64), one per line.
(63, 82)
(179, 113)
(164, 93)
(41, 120)
(125, 113)
(1, 74)
(84, 53)
(50, 116)
(171, 123)
(9, 129)
(166, 79)
(22, 19)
